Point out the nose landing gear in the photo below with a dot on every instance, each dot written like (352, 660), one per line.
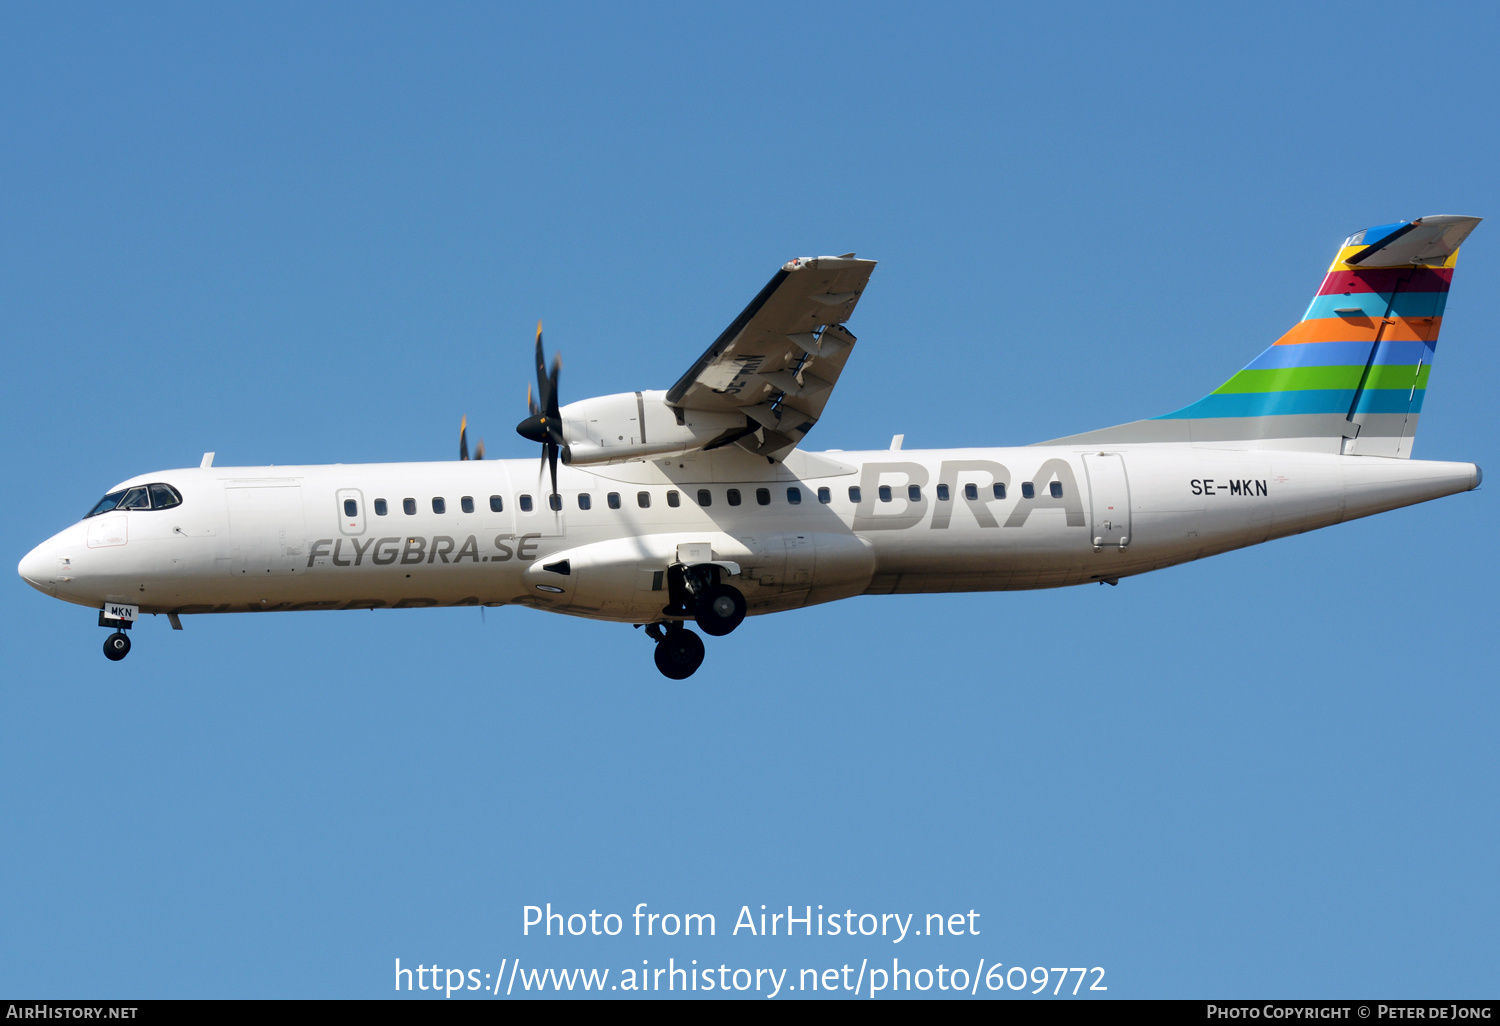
(117, 646)
(120, 617)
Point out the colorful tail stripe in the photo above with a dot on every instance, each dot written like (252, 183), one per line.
(1358, 362)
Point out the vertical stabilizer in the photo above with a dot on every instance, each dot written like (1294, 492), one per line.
(1350, 377)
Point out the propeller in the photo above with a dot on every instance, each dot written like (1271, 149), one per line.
(463, 442)
(544, 425)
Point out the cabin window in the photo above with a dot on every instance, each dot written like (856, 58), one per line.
(999, 490)
(584, 502)
(554, 502)
(1028, 490)
(673, 499)
(942, 493)
(971, 492)
(351, 508)
(1055, 489)
(885, 493)
(732, 496)
(409, 507)
(914, 493)
(497, 504)
(614, 500)
(705, 497)
(643, 500)
(466, 504)
(525, 504)
(854, 493)
(763, 496)
(825, 496)
(794, 496)
(380, 507)
(439, 505)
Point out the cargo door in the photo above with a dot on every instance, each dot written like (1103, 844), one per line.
(267, 533)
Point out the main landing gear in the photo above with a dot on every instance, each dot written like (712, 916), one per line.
(679, 652)
(719, 610)
(697, 592)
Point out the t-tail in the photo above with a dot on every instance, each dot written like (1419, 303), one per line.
(1351, 375)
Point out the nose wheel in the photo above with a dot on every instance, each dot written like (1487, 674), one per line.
(117, 646)
(679, 652)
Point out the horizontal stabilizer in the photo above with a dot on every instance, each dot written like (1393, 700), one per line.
(1427, 240)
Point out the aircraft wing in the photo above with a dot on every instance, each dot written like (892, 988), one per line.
(778, 361)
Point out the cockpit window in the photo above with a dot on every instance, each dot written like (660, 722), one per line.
(151, 496)
(163, 496)
(105, 504)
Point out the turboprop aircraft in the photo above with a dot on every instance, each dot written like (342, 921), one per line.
(698, 504)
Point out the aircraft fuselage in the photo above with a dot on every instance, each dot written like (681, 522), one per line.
(818, 527)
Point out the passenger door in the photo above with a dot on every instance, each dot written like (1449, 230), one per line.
(1109, 499)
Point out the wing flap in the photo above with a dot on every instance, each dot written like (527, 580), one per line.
(779, 360)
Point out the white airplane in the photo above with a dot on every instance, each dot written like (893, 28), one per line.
(697, 504)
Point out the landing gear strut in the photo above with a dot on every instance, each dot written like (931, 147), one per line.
(679, 652)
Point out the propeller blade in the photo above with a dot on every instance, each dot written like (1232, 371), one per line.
(552, 411)
(479, 450)
(544, 396)
(544, 421)
(463, 439)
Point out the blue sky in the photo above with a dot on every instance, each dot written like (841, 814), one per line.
(304, 234)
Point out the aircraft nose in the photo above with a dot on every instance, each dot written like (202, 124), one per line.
(38, 568)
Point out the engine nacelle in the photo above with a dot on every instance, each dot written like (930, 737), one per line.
(638, 426)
